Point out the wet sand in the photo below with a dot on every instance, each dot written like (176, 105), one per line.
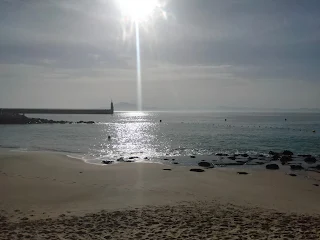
(47, 196)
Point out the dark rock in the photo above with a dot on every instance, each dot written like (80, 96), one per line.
(175, 163)
(272, 166)
(24, 219)
(315, 184)
(173, 159)
(292, 174)
(317, 167)
(232, 158)
(275, 157)
(251, 158)
(244, 155)
(304, 155)
(285, 159)
(262, 156)
(120, 159)
(242, 173)
(165, 159)
(133, 157)
(193, 156)
(221, 154)
(228, 164)
(167, 169)
(241, 162)
(296, 167)
(204, 164)
(13, 118)
(146, 158)
(128, 161)
(287, 152)
(196, 170)
(236, 155)
(310, 160)
(90, 122)
(107, 162)
(273, 153)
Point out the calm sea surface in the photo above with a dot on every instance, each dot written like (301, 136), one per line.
(179, 134)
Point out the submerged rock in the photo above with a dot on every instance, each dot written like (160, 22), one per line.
(310, 160)
(232, 158)
(304, 155)
(241, 162)
(222, 154)
(120, 159)
(272, 166)
(107, 162)
(285, 159)
(296, 167)
(273, 153)
(287, 152)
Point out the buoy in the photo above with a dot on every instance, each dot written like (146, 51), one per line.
(285, 119)
(160, 120)
(314, 131)
(109, 137)
(225, 120)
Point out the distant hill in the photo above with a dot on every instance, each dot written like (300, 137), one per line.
(248, 109)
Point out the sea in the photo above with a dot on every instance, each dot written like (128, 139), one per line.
(152, 136)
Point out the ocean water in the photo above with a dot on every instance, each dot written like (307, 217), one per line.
(142, 134)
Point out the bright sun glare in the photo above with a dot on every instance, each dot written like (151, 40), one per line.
(138, 10)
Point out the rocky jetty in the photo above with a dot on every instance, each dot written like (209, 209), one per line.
(13, 118)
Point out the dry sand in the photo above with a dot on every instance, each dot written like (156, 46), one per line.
(47, 196)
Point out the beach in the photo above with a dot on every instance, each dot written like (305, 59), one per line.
(51, 196)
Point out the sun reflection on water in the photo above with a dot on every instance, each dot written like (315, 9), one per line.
(136, 135)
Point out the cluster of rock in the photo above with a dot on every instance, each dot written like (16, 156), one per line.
(286, 157)
(271, 162)
(22, 119)
(131, 159)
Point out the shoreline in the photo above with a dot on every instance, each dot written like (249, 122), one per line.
(215, 160)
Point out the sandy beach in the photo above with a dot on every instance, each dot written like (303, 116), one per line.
(50, 196)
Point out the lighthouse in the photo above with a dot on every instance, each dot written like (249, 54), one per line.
(112, 109)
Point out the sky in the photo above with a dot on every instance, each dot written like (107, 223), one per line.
(200, 54)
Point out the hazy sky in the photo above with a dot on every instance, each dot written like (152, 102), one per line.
(206, 53)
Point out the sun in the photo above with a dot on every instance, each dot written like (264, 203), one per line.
(138, 10)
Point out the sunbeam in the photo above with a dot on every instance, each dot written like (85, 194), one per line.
(137, 13)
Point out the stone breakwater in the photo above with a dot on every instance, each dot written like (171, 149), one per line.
(22, 119)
